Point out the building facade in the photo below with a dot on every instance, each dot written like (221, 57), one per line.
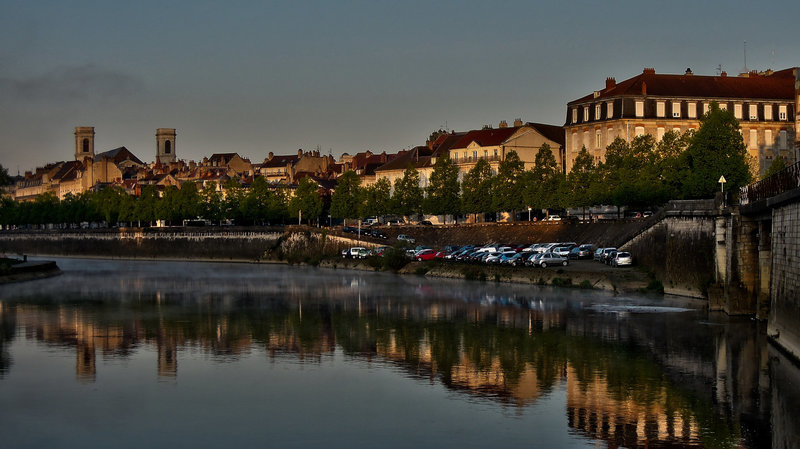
(765, 104)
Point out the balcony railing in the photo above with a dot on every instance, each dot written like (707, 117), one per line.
(785, 180)
(473, 159)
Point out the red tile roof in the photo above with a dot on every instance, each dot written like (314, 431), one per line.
(778, 85)
(486, 137)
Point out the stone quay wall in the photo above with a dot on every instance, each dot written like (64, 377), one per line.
(784, 317)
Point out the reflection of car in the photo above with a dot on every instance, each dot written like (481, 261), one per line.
(622, 258)
(425, 254)
(355, 252)
(405, 238)
(550, 259)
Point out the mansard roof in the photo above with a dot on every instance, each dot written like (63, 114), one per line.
(486, 137)
(550, 132)
(280, 161)
(767, 86)
(416, 157)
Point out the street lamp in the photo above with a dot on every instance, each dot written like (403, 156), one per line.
(529, 213)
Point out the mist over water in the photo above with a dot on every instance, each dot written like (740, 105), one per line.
(131, 353)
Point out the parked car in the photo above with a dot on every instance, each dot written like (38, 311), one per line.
(406, 238)
(378, 234)
(582, 252)
(379, 251)
(515, 260)
(622, 258)
(425, 254)
(608, 256)
(554, 218)
(598, 254)
(355, 252)
(551, 259)
(425, 223)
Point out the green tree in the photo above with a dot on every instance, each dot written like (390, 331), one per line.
(443, 189)
(717, 149)
(408, 194)
(146, 205)
(258, 203)
(211, 203)
(669, 151)
(778, 165)
(188, 202)
(377, 198)
(107, 203)
(234, 196)
(167, 206)
(509, 188)
(543, 185)
(583, 181)
(4, 178)
(346, 199)
(306, 199)
(476, 189)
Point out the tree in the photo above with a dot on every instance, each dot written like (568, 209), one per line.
(717, 149)
(408, 195)
(4, 178)
(543, 185)
(145, 209)
(306, 199)
(376, 199)
(234, 196)
(778, 165)
(106, 203)
(509, 188)
(476, 189)
(211, 203)
(257, 203)
(346, 199)
(583, 181)
(443, 189)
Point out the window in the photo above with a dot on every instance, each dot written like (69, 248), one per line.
(706, 107)
(639, 131)
(610, 136)
(610, 109)
(85, 145)
(598, 139)
(475, 155)
(723, 106)
(640, 108)
(782, 140)
(692, 110)
(782, 112)
(586, 113)
(455, 157)
(753, 143)
(753, 112)
(768, 142)
(574, 115)
(598, 111)
(167, 147)
(495, 152)
(677, 129)
(676, 109)
(575, 141)
(660, 105)
(586, 141)
(767, 112)
(486, 154)
(659, 133)
(737, 111)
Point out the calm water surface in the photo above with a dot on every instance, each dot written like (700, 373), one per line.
(175, 354)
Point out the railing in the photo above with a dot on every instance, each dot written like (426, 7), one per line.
(787, 179)
(472, 159)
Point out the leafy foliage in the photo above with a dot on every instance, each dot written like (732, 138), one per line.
(443, 189)
(407, 198)
(346, 200)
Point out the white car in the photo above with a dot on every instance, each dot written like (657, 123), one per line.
(405, 238)
(356, 252)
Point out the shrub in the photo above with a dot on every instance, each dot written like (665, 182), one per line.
(562, 282)
(585, 284)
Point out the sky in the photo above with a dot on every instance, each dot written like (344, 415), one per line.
(254, 77)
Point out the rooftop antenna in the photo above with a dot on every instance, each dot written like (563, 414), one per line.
(745, 57)
(719, 69)
(772, 53)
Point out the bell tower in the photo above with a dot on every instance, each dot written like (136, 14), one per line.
(165, 145)
(84, 142)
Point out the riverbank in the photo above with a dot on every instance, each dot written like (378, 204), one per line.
(20, 271)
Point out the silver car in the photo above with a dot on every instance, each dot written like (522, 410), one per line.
(622, 258)
(551, 259)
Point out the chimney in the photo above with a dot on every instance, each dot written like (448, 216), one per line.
(649, 71)
(300, 152)
(644, 88)
(517, 122)
(610, 82)
(689, 71)
(503, 124)
(270, 156)
(724, 74)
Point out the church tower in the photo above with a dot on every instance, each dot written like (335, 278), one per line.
(84, 142)
(165, 145)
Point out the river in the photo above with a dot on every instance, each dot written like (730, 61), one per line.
(186, 354)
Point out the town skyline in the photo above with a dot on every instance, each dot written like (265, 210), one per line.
(341, 79)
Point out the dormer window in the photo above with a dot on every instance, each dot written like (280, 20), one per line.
(753, 112)
(609, 109)
(598, 111)
(574, 115)
(586, 113)
(782, 112)
(676, 109)
(660, 109)
(767, 112)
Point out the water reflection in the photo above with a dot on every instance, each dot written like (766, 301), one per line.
(634, 376)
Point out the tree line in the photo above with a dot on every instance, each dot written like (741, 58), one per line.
(642, 173)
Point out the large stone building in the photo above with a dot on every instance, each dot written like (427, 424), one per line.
(766, 105)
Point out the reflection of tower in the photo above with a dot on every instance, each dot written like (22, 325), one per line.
(85, 364)
(167, 358)
(165, 145)
(84, 142)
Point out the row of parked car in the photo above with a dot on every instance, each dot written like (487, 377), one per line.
(613, 257)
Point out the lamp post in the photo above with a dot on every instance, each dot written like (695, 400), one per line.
(529, 213)
(722, 182)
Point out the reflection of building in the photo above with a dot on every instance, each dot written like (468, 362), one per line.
(597, 410)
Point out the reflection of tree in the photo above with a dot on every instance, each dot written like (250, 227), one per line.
(8, 325)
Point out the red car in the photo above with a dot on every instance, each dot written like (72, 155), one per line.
(425, 254)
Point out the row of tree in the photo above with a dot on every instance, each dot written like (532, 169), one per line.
(640, 174)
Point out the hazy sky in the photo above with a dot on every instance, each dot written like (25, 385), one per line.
(347, 76)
